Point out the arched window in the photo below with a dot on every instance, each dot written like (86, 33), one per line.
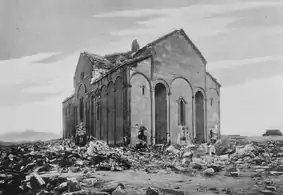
(182, 111)
(211, 101)
(82, 75)
(143, 89)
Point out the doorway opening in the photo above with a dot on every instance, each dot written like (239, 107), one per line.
(160, 114)
(199, 103)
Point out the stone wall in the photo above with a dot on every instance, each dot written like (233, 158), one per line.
(181, 67)
(141, 99)
(176, 65)
(213, 105)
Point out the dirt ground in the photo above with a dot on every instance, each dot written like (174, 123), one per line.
(137, 182)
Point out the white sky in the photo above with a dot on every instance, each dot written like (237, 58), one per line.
(241, 40)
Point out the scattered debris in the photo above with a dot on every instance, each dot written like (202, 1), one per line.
(23, 168)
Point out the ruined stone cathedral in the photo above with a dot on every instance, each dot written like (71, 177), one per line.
(163, 86)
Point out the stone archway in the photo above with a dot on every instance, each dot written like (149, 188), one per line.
(111, 113)
(160, 114)
(180, 127)
(199, 106)
(119, 111)
(103, 114)
(140, 105)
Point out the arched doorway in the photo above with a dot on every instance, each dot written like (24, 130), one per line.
(181, 110)
(81, 108)
(160, 114)
(140, 106)
(103, 109)
(111, 114)
(199, 101)
(119, 111)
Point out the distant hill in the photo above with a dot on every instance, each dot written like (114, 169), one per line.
(28, 135)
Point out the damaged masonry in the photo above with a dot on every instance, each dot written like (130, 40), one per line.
(163, 87)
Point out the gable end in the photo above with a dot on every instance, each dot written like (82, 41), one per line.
(182, 32)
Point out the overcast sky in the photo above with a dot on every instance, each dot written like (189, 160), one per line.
(40, 42)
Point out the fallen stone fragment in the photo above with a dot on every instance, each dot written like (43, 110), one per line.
(99, 193)
(90, 182)
(120, 190)
(43, 192)
(272, 188)
(268, 182)
(215, 190)
(28, 167)
(266, 192)
(110, 187)
(73, 185)
(215, 168)
(279, 168)
(36, 181)
(82, 192)
(234, 172)
(224, 157)
(152, 191)
(63, 187)
(209, 172)
(196, 166)
(186, 161)
(276, 173)
(172, 149)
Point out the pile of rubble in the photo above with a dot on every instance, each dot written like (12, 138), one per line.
(23, 167)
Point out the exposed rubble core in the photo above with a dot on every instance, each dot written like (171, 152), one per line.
(61, 167)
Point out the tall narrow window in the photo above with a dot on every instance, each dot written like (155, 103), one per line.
(182, 112)
(82, 75)
(143, 87)
(211, 101)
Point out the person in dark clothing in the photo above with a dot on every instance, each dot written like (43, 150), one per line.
(142, 137)
(141, 134)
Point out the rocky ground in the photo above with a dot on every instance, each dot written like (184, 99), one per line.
(253, 166)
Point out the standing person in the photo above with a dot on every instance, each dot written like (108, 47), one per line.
(81, 135)
(212, 136)
(142, 137)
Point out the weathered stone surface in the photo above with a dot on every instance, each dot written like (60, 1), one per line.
(120, 190)
(153, 191)
(209, 172)
(111, 186)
